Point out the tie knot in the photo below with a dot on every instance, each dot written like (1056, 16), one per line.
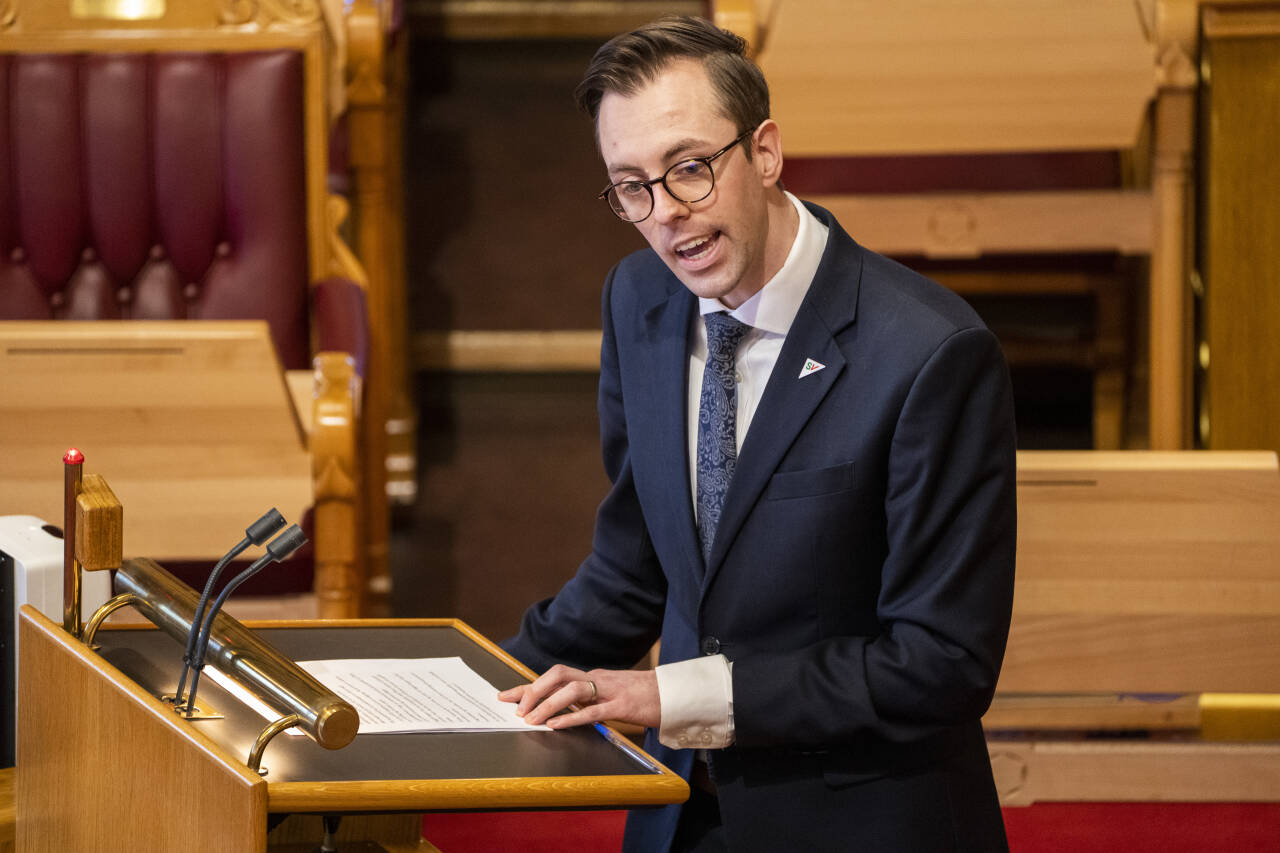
(724, 332)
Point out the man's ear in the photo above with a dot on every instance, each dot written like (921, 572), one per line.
(767, 157)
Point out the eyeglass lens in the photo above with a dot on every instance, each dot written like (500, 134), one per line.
(687, 181)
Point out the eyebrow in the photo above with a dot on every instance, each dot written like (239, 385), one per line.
(681, 147)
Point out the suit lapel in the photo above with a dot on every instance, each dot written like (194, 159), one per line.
(789, 399)
(667, 326)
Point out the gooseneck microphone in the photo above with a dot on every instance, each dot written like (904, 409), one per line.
(278, 549)
(255, 534)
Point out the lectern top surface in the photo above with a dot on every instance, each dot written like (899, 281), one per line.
(153, 660)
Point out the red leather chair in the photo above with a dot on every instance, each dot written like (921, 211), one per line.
(159, 170)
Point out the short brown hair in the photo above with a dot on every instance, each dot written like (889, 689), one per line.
(625, 63)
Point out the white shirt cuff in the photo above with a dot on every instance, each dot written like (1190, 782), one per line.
(697, 703)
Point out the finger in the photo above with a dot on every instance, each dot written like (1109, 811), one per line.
(581, 717)
(512, 694)
(543, 686)
(538, 689)
(553, 704)
(575, 692)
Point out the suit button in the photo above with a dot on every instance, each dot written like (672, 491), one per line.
(710, 646)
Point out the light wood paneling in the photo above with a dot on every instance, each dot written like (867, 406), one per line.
(1101, 771)
(1146, 572)
(959, 225)
(934, 77)
(6, 810)
(184, 420)
(857, 76)
(509, 352)
(1090, 712)
(1169, 293)
(1240, 247)
(530, 19)
(104, 765)
(1237, 21)
(454, 794)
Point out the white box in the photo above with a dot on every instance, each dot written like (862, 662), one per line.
(31, 573)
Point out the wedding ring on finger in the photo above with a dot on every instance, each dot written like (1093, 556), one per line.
(594, 692)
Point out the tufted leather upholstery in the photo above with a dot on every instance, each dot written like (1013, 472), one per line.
(161, 186)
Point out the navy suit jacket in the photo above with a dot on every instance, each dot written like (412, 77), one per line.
(861, 578)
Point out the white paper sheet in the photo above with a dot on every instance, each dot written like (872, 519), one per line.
(414, 695)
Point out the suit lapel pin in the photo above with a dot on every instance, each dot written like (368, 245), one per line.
(810, 366)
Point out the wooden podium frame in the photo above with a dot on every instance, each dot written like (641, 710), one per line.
(103, 761)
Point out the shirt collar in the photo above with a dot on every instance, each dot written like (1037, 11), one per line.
(774, 307)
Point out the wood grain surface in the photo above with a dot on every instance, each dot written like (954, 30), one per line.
(104, 765)
(1146, 572)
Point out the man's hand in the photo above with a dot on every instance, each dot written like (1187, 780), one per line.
(627, 695)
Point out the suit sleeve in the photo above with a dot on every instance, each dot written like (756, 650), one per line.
(610, 613)
(946, 586)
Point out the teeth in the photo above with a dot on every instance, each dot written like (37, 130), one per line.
(692, 245)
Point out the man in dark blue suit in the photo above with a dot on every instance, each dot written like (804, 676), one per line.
(812, 457)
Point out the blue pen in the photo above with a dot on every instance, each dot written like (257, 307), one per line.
(626, 746)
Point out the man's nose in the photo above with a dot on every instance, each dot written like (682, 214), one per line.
(666, 207)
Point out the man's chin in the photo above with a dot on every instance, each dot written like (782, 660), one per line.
(703, 286)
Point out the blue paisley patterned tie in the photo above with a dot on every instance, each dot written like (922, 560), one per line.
(717, 423)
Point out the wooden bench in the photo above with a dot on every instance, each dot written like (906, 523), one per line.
(1146, 609)
(901, 84)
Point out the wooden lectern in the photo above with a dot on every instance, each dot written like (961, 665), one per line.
(102, 761)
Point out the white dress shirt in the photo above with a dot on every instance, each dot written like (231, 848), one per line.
(697, 695)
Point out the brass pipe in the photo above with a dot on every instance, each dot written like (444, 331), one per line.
(265, 736)
(72, 468)
(240, 653)
(100, 615)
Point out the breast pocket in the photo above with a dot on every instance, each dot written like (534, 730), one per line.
(786, 485)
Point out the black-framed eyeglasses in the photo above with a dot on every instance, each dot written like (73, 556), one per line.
(687, 181)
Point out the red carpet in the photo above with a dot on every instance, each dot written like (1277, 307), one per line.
(1042, 828)
(528, 832)
(1144, 828)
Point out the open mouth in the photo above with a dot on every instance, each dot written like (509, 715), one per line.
(699, 248)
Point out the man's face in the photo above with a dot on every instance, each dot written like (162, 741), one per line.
(716, 246)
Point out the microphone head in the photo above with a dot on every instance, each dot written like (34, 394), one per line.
(260, 531)
(286, 543)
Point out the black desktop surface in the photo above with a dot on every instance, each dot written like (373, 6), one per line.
(153, 660)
